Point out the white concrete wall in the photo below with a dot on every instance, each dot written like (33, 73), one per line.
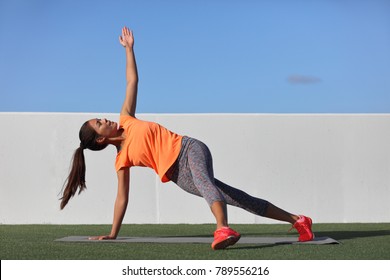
(335, 168)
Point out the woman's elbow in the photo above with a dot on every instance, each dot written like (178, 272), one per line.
(132, 81)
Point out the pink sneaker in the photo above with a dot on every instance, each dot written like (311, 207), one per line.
(303, 226)
(224, 237)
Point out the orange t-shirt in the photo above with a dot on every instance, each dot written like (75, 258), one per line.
(148, 144)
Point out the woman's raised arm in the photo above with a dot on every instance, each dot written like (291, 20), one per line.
(130, 103)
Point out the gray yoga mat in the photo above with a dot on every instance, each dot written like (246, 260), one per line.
(189, 239)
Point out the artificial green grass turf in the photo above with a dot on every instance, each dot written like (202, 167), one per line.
(358, 241)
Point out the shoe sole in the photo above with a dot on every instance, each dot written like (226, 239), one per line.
(231, 240)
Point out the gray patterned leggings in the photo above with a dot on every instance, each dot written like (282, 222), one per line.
(193, 172)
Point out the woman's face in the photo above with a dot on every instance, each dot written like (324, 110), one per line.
(104, 127)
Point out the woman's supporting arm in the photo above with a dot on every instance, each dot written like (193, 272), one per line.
(122, 199)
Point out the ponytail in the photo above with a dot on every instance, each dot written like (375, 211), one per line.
(76, 178)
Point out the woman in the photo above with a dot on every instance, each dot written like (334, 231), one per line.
(183, 160)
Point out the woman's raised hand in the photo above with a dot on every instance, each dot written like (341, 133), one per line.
(126, 39)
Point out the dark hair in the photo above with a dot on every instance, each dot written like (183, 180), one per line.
(76, 178)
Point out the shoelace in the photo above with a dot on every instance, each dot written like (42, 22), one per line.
(300, 227)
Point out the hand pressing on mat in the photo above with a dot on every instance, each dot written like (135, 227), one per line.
(102, 237)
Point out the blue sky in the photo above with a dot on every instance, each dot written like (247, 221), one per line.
(200, 56)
